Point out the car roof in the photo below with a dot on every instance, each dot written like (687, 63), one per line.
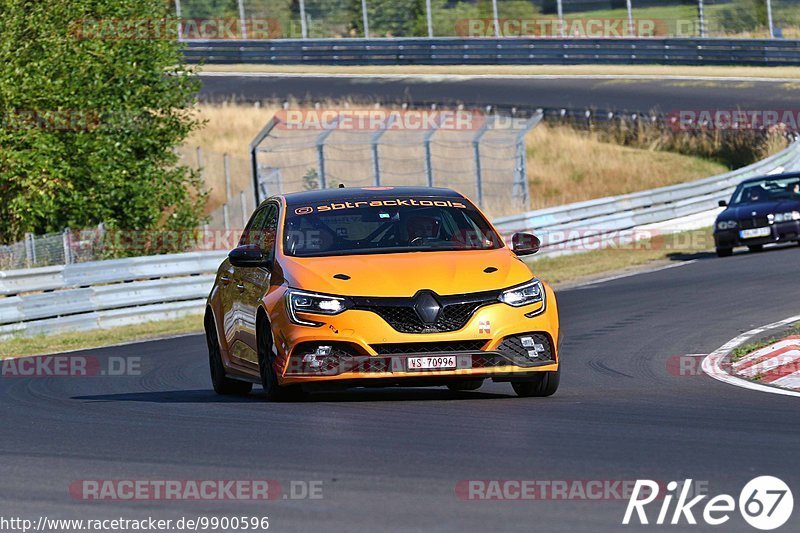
(366, 193)
(771, 177)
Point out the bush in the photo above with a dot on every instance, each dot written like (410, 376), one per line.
(90, 123)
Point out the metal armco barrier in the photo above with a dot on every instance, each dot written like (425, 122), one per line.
(507, 51)
(105, 293)
(630, 211)
(117, 292)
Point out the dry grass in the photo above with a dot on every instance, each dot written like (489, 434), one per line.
(789, 73)
(564, 165)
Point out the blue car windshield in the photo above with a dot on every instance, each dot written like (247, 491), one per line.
(767, 190)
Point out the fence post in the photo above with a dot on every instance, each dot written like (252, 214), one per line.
(426, 142)
(241, 19)
(30, 250)
(323, 182)
(66, 238)
(560, 18)
(429, 15)
(495, 19)
(178, 15)
(631, 30)
(701, 15)
(200, 168)
(226, 160)
(365, 18)
(303, 25)
(521, 184)
(374, 143)
(476, 150)
(243, 204)
(769, 20)
(226, 220)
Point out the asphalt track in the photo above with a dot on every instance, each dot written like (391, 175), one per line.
(570, 92)
(391, 459)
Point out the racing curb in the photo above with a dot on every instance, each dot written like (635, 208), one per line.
(717, 363)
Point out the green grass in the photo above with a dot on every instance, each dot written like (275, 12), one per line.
(47, 344)
(746, 349)
(675, 247)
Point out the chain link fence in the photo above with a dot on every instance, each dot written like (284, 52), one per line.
(320, 19)
(63, 248)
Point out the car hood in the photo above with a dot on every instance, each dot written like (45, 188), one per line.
(403, 274)
(761, 209)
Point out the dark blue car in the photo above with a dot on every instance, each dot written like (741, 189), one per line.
(762, 210)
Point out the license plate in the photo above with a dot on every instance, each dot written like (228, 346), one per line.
(443, 362)
(756, 232)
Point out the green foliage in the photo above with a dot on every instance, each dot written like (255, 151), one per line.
(89, 124)
(742, 16)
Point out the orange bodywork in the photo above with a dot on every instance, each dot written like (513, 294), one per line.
(241, 295)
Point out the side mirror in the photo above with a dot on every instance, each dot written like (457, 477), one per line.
(249, 255)
(525, 243)
(723, 203)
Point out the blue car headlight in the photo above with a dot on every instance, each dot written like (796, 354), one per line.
(727, 224)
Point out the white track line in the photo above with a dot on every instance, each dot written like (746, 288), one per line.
(463, 77)
(712, 365)
(627, 275)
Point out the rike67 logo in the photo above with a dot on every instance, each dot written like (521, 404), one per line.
(765, 503)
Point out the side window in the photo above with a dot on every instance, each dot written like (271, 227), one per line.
(250, 234)
(269, 231)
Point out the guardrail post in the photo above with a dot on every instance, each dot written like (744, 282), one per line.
(476, 151)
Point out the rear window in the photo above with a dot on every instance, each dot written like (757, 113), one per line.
(386, 225)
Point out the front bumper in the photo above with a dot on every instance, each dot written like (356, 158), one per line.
(779, 232)
(365, 348)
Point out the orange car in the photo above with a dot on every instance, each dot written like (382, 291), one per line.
(379, 286)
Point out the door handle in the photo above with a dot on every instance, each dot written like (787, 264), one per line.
(240, 286)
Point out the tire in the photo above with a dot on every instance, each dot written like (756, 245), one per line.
(465, 385)
(724, 252)
(756, 248)
(223, 385)
(544, 384)
(266, 368)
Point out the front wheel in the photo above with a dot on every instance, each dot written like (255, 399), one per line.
(222, 383)
(543, 384)
(266, 368)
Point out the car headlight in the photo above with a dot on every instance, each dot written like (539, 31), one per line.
(309, 302)
(727, 224)
(787, 217)
(529, 293)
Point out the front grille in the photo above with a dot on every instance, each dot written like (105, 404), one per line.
(399, 313)
(429, 347)
(756, 222)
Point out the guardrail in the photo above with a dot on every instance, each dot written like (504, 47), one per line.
(105, 293)
(117, 292)
(558, 226)
(505, 51)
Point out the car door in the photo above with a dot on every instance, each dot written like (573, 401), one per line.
(238, 314)
(253, 283)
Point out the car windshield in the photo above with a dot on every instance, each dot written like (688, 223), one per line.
(767, 190)
(386, 225)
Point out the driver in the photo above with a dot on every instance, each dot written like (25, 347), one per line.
(422, 227)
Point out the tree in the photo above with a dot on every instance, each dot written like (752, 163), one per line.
(92, 111)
